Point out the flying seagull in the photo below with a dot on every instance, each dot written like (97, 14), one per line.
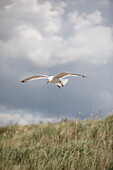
(58, 79)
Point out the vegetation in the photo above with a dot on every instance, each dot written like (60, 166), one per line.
(67, 145)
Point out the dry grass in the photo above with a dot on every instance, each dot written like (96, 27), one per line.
(71, 145)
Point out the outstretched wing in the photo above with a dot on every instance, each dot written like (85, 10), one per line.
(34, 78)
(65, 74)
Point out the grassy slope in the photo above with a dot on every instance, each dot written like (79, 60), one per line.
(71, 145)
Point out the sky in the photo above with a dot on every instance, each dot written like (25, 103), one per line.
(49, 37)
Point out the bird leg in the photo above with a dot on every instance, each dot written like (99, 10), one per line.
(61, 83)
(58, 86)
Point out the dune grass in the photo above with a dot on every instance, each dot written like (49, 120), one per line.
(70, 145)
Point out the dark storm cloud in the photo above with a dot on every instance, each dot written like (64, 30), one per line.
(80, 95)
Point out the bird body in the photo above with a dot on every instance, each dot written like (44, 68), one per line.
(58, 79)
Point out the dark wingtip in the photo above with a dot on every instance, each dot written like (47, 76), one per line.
(84, 76)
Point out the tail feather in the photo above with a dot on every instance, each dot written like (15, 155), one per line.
(64, 81)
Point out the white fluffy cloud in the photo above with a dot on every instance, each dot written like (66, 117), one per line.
(48, 35)
(7, 119)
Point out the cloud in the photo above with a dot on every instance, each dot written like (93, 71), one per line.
(48, 37)
(41, 33)
(104, 2)
(7, 119)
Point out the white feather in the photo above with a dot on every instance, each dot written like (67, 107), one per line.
(64, 81)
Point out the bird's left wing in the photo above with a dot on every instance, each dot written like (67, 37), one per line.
(66, 74)
(34, 78)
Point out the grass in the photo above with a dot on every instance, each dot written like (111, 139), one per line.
(70, 145)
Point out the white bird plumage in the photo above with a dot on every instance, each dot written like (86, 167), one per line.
(58, 79)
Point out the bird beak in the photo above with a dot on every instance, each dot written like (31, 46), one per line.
(47, 81)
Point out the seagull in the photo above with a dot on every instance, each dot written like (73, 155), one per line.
(58, 79)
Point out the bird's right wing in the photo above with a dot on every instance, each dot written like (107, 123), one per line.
(34, 78)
